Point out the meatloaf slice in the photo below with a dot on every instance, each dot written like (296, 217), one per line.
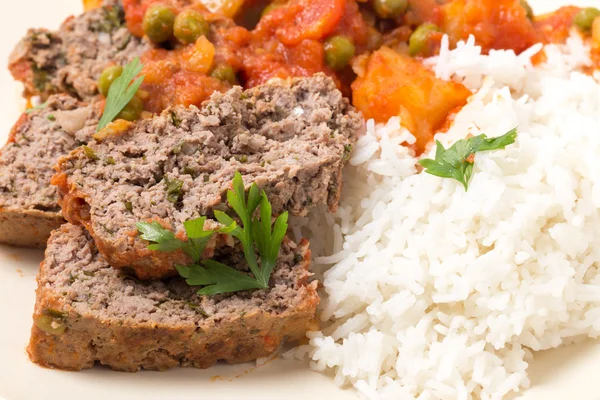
(29, 208)
(71, 59)
(87, 311)
(291, 138)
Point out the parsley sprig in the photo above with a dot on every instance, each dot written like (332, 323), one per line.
(121, 92)
(261, 240)
(456, 162)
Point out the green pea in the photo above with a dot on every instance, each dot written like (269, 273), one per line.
(418, 40)
(158, 23)
(527, 8)
(189, 26)
(585, 18)
(339, 50)
(107, 78)
(224, 73)
(390, 8)
(51, 325)
(132, 110)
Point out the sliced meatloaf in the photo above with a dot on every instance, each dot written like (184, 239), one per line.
(29, 208)
(291, 138)
(71, 59)
(87, 311)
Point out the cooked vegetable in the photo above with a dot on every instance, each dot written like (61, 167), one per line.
(527, 8)
(312, 19)
(41, 79)
(456, 162)
(390, 8)
(257, 235)
(132, 110)
(398, 85)
(418, 40)
(496, 24)
(51, 325)
(189, 26)
(90, 153)
(107, 78)
(585, 18)
(112, 19)
(91, 4)
(201, 56)
(121, 92)
(339, 50)
(596, 32)
(174, 190)
(224, 73)
(158, 23)
(228, 8)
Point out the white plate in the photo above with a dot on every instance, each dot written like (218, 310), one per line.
(566, 373)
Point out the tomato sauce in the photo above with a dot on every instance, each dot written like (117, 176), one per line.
(287, 42)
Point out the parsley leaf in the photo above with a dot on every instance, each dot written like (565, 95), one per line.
(260, 237)
(165, 240)
(217, 278)
(456, 162)
(121, 92)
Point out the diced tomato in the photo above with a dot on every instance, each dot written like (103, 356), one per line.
(397, 85)
(310, 19)
(555, 27)
(353, 25)
(420, 11)
(134, 15)
(496, 24)
(179, 76)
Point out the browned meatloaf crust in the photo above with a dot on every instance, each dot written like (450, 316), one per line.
(91, 312)
(291, 138)
(29, 208)
(71, 59)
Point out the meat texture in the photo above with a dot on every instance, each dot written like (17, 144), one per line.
(71, 59)
(87, 311)
(290, 138)
(29, 208)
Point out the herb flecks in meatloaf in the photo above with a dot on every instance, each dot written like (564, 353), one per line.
(71, 59)
(29, 208)
(87, 311)
(290, 138)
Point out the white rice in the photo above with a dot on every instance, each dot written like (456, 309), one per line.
(438, 293)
